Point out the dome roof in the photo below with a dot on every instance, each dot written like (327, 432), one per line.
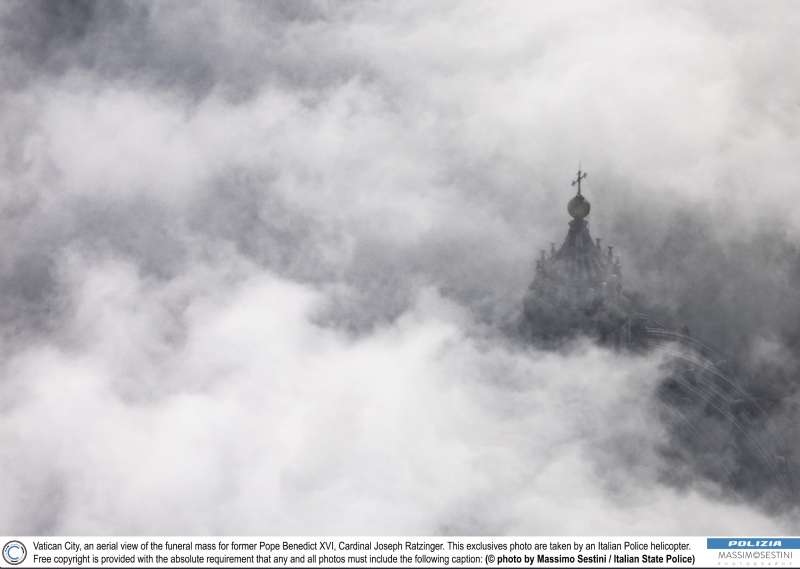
(579, 207)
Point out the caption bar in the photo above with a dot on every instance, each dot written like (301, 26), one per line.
(397, 551)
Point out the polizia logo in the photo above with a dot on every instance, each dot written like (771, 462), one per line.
(753, 543)
(14, 552)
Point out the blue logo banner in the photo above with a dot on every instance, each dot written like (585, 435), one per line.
(753, 543)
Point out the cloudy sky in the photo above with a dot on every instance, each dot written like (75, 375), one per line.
(259, 260)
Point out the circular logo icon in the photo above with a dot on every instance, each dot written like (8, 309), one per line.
(14, 552)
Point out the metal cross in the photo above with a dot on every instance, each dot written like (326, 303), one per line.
(581, 176)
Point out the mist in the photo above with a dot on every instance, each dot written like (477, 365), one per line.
(261, 260)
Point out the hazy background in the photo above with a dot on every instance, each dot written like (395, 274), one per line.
(257, 260)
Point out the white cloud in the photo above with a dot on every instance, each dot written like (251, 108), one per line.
(259, 420)
(258, 259)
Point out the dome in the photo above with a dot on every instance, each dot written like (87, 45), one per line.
(578, 207)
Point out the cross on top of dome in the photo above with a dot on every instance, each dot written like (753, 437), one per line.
(579, 207)
(581, 176)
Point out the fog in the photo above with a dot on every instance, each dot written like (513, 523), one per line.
(261, 259)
